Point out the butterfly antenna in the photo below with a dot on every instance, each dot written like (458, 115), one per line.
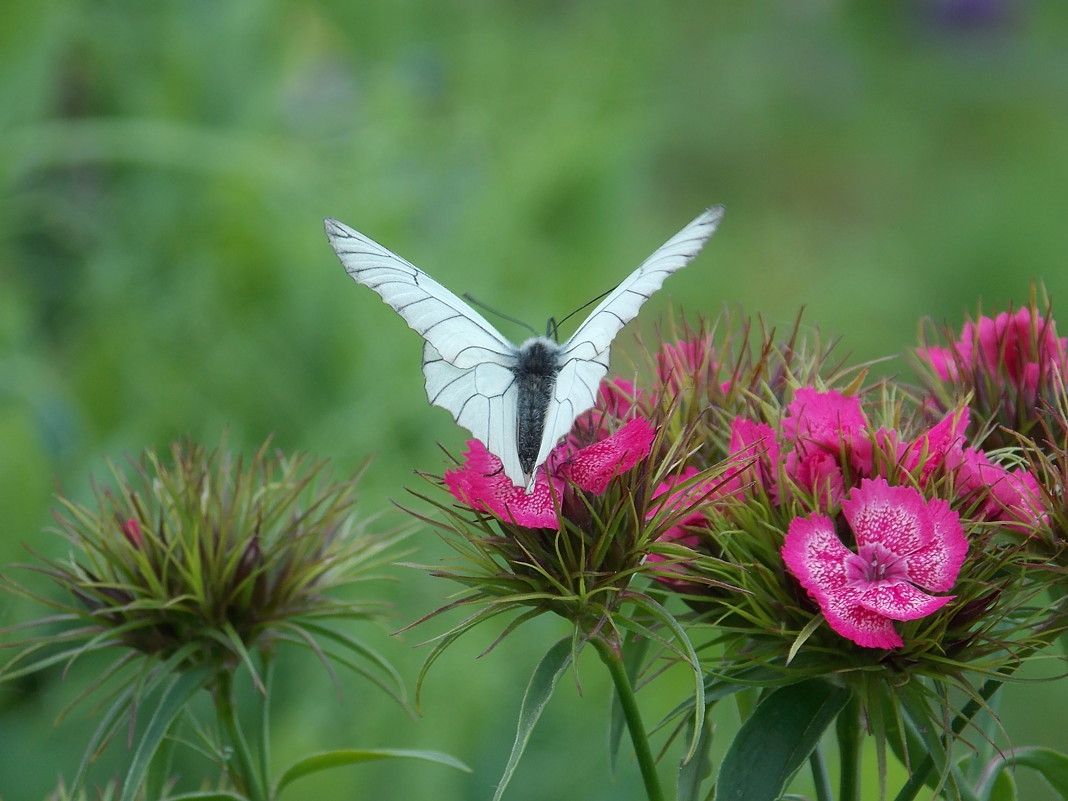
(474, 302)
(554, 326)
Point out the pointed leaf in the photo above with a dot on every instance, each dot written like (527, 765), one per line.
(171, 703)
(780, 734)
(539, 691)
(335, 759)
(698, 768)
(1051, 766)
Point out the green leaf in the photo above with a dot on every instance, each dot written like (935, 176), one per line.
(1051, 765)
(1003, 788)
(171, 703)
(207, 795)
(699, 767)
(539, 691)
(335, 759)
(778, 737)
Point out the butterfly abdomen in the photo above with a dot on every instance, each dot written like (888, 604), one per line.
(536, 366)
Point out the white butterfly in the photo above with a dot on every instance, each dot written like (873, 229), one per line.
(518, 400)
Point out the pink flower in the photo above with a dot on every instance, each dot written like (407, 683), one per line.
(753, 457)
(941, 444)
(617, 399)
(687, 362)
(593, 467)
(905, 545)
(825, 427)
(682, 531)
(1010, 496)
(1021, 346)
(481, 483)
(131, 529)
(826, 419)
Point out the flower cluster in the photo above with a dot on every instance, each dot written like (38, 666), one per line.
(823, 533)
(778, 494)
(1011, 368)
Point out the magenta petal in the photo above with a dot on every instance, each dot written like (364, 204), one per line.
(895, 517)
(815, 555)
(899, 600)
(817, 472)
(754, 453)
(932, 447)
(690, 497)
(941, 360)
(935, 566)
(829, 418)
(481, 484)
(593, 467)
(856, 623)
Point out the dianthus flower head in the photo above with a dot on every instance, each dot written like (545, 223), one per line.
(1010, 363)
(688, 362)
(480, 481)
(906, 548)
(1013, 497)
(198, 561)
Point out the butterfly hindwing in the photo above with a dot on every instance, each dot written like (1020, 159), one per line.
(482, 399)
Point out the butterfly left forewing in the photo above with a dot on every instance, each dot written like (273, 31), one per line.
(458, 332)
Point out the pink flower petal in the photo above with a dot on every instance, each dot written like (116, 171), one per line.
(754, 455)
(692, 495)
(481, 484)
(819, 473)
(681, 364)
(830, 419)
(935, 566)
(931, 448)
(616, 400)
(854, 622)
(899, 600)
(815, 555)
(895, 517)
(131, 529)
(593, 467)
(941, 360)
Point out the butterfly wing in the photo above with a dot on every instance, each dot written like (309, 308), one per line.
(483, 400)
(461, 335)
(466, 362)
(583, 359)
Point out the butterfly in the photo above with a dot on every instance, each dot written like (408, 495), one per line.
(518, 400)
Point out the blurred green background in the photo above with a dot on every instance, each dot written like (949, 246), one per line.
(165, 168)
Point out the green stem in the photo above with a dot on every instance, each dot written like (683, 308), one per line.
(820, 776)
(631, 713)
(848, 731)
(242, 769)
(265, 720)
